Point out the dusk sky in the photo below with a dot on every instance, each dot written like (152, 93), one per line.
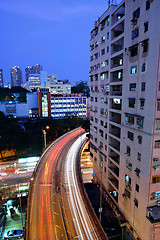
(53, 33)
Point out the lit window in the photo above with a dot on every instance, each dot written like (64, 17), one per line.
(132, 87)
(142, 104)
(103, 64)
(103, 39)
(133, 70)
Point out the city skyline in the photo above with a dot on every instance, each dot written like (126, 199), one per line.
(43, 33)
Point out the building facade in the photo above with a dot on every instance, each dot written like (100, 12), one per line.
(1, 78)
(125, 111)
(16, 76)
(61, 105)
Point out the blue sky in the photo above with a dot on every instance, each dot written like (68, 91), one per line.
(53, 33)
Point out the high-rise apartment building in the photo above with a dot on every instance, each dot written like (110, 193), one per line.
(16, 76)
(1, 78)
(125, 111)
(31, 70)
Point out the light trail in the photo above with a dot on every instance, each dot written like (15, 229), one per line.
(82, 220)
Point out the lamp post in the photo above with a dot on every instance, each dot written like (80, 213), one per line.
(44, 136)
(100, 204)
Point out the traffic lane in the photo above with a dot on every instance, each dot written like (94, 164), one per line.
(82, 222)
(43, 181)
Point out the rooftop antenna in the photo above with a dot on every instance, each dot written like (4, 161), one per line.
(112, 2)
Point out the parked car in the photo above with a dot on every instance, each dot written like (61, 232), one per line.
(14, 234)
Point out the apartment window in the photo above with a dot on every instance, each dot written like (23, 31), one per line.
(102, 76)
(104, 169)
(103, 39)
(105, 147)
(136, 13)
(95, 129)
(102, 64)
(155, 195)
(134, 51)
(95, 99)
(140, 122)
(128, 179)
(136, 202)
(129, 119)
(92, 58)
(96, 120)
(101, 133)
(102, 100)
(157, 144)
(107, 62)
(107, 35)
(137, 171)
(130, 136)
(135, 33)
(143, 86)
(96, 89)
(145, 26)
(137, 188)
(132, 86)
(158, 105)
(96, 77)
(133, 70)
(106, 136)
(139, 156)
(96, 44)
(95, 159)
(147, 5)
(95, 140)
(107, 74)
(142, 104)
(157, 125)
(139, 139)
(131, 103)
(143, 67)
(159, 86)
(96, 55)
(103, 51)
(102, 25)
(128, 150)
(91, 78)
(155, 179)
(128, 165)
(145, 46)
(101, 123)
(91, 118)
(91, 154)
(107, 48)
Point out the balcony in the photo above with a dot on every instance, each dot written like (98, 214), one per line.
(116, 90)
(117, 76)
(114, 143)
(113, 155)
(115, 117)
(113, 180)
(117, 61)
(119, 14)
(116, 131)
(117, 46)
(117, 31)
(114, 168)
(116, 103)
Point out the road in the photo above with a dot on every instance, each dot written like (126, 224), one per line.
(56, 207)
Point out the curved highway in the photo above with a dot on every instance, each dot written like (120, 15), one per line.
(56, 206)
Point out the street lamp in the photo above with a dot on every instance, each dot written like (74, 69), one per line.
(44, 136)
(100, 210)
